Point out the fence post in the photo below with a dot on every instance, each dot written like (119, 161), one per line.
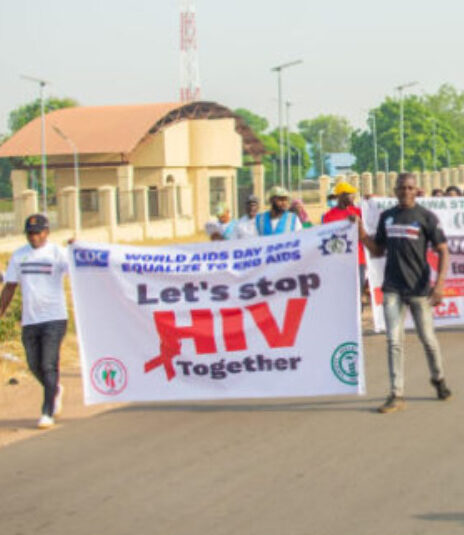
(381, 184)
(324, 183)
(392, 178)
(18, 179)
(125, 175)
(461, 175)
(71, 208)
(29, 203)
(258, 177)
(436, 180)
(426, 183)
(107, 209)
(454, 176)
(366, 181)
(445, 177)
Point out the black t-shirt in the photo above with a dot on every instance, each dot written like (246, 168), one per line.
(406, 234)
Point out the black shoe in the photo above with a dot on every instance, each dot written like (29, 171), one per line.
(393, 404)
(443, 392)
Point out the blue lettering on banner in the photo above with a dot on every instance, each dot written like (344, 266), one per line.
(91, 257)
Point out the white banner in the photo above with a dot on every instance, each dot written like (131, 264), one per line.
(450, 212)
(270, 317)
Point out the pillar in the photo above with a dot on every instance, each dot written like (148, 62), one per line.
(29, 204)
(366, 181)
(427, 183)
(445, 177)
(461, 175)
(125, 180)
(258, 177)
(436, 180)
(71, 207)
(141, 204)
(454, 176)
(392, 178)
(353, 179)
(381, 184)
(324, 183)
(107, 209)
(19, 180)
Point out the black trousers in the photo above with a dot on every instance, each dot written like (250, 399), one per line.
(42, 343)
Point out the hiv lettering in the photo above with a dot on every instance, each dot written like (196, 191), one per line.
(203, 334)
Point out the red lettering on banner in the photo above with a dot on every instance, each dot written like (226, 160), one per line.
(266, 322)
(201, 330)
(445, 309)
(232, 328)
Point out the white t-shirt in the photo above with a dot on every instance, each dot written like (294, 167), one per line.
(246, 228)
(40, 273)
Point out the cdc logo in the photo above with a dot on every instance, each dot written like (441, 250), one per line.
(91, 257)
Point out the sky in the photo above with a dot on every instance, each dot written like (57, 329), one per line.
(354, 53)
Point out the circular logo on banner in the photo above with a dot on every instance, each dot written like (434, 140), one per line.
(109, 376)
(345, 363)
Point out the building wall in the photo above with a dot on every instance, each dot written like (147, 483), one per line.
(93, 178)
(214, 143)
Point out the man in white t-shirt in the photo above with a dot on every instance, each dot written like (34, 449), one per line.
(246, 225)
(39, 268)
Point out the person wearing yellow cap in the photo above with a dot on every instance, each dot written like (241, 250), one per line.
(345, 208)
(277, 220)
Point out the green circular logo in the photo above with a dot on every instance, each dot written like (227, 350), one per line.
(345, 363)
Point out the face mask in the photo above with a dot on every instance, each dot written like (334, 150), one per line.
(331, 203)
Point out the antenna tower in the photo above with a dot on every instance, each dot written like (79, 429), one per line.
(190, 74)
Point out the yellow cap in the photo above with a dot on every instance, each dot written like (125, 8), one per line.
(344, 187)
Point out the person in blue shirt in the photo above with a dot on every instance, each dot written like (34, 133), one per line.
(277, 220)
(224, 228)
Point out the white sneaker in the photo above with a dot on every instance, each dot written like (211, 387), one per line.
(45, 422)
(58, 409)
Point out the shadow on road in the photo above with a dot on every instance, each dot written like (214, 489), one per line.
(443, 517)
(332, 406)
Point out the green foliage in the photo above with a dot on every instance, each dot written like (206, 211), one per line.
(10, 325)
(16, 120)
(420, 122)
(27, 112)
(255, 122)
(272, 157)
(336, 133)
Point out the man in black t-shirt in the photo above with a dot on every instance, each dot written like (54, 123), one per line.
(404, 233)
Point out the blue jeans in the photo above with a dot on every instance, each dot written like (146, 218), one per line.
(394, 308)
(42, 343)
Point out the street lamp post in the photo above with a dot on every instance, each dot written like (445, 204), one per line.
(76, 171)
(321, 151)
(374, 137)
(42, 84)
(400, 89)
(386, 161)
(289, 151)
(278, 69)
(434, 144)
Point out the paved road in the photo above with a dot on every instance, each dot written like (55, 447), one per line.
(324, 467)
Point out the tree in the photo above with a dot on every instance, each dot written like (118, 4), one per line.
(333, 130)
(271, 159)
(26, 113)
(423, 131)
(16, 120)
